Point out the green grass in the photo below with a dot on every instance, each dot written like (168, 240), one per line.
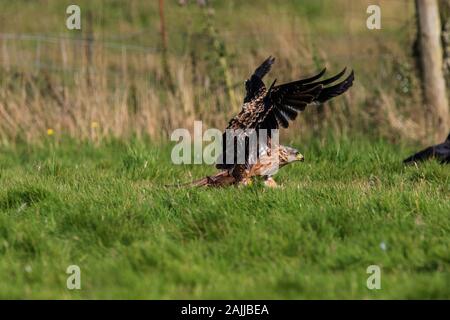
(104, 209)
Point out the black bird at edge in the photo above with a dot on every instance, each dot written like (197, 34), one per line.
(440, 152)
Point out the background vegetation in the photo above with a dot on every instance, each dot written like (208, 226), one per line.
(109, 78)
(84, 121)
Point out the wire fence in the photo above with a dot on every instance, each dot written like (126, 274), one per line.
(64, 53)
(36, 60)
(131, 78)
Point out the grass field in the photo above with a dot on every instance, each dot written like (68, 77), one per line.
(351, 204)
(85, 119)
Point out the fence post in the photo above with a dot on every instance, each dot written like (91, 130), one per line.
(5, 58)
(89, 47)
(164, 58)
(431, 59)
(37, 61)
(444, 6)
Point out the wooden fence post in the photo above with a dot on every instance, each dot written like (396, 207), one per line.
(164, 58)
(431, 59)
(444, 6)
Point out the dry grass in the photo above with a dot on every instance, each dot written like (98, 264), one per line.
(92, 90)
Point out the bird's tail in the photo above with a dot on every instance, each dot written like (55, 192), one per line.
(221, 179)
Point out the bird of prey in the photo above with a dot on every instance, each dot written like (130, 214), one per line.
(269, 109)
(439, 151)
(264, 167)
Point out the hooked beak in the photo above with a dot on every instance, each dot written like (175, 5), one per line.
(300, 157)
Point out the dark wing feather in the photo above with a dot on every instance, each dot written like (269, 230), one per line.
(439, 151)
(326, 81)
(264, 68)
(254, 84)
(334, 91)
(422, 155)
(286, 100)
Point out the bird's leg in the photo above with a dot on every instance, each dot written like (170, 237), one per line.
(270, 182)
(246, 181)
(243, 177)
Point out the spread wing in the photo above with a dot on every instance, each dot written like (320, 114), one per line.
(254, 84)
(284, 102)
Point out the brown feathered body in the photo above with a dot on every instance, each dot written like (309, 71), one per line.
(267, 165)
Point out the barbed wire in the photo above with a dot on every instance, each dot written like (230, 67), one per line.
(114, 73)
(121, 42)
(82, 41)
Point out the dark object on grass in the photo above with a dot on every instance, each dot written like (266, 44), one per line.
(440, 151)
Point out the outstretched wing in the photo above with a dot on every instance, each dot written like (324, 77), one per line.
(272, 108)
(284, 102)
(254, 84)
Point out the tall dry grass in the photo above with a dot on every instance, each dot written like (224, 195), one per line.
(97, 89)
